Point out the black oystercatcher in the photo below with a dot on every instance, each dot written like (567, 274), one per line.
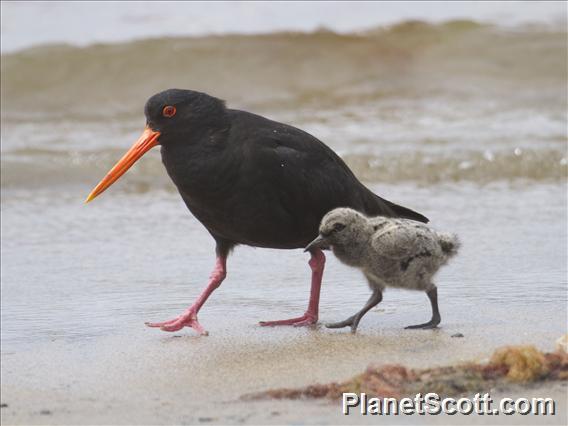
(248, 180)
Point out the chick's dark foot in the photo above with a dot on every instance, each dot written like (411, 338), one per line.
(351, 321)
(426, 326)
(436, 318)
(341, 324)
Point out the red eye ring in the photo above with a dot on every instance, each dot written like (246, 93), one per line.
(169, 111)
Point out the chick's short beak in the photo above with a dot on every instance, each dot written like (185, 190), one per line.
(320, 242)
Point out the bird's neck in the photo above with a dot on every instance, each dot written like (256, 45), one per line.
(353, 255)
(201, 167)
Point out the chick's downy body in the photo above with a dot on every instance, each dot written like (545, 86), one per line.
(397, 253)
(390, 252)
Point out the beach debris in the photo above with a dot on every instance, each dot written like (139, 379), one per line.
(45, 412)
(507, 365)
(523, 363)
(562, 343)
(457, 335)
(3, 405)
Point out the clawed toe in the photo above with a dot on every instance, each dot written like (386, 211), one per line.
(172, 327)
(353, 322)
(339, 324)
(188, 319)
(160, 324)
(307, 319)
(425, 326)
(305, 323)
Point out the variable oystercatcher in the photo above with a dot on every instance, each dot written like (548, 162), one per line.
(390, 252)
(248, 180)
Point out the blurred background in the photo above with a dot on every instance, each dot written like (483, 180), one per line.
(454, 109)
(471, 90)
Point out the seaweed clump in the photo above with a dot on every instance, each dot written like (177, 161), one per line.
(507, 365)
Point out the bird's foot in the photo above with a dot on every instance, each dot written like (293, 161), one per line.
(352, 321)
(187, 319)
(426, 326)
(307, 319)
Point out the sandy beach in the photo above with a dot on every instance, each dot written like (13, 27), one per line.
(190, 380)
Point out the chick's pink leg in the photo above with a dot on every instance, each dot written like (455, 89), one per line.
(310, 317)
(189, 317)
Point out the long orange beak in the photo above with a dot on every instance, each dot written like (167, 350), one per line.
(147, 141)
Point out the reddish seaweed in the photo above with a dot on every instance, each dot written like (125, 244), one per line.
(507, 365)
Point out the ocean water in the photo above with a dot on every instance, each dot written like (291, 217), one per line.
(463, 121)
(26, 24)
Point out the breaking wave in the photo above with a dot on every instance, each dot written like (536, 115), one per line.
(492, 99)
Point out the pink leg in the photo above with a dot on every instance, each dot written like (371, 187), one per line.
(317, 263)
(189, 317)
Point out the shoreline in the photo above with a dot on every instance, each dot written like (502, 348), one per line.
(187, 379)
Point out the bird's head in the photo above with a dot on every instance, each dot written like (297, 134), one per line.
(342, 227)
(172, 116)
(183, 115)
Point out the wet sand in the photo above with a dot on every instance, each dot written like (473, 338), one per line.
(149, 379)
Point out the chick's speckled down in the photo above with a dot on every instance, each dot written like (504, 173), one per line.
(391, 252)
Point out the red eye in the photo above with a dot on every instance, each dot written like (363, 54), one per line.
(169, 111)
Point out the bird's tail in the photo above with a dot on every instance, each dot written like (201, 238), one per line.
(449, 243)
(405, 212)
(377, 206)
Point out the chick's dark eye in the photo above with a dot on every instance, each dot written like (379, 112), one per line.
(338, 227)
(169, 111)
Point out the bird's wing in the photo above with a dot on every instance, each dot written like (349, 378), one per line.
(297, 176)
(396, 241)
(286, 144)
(309, 176)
